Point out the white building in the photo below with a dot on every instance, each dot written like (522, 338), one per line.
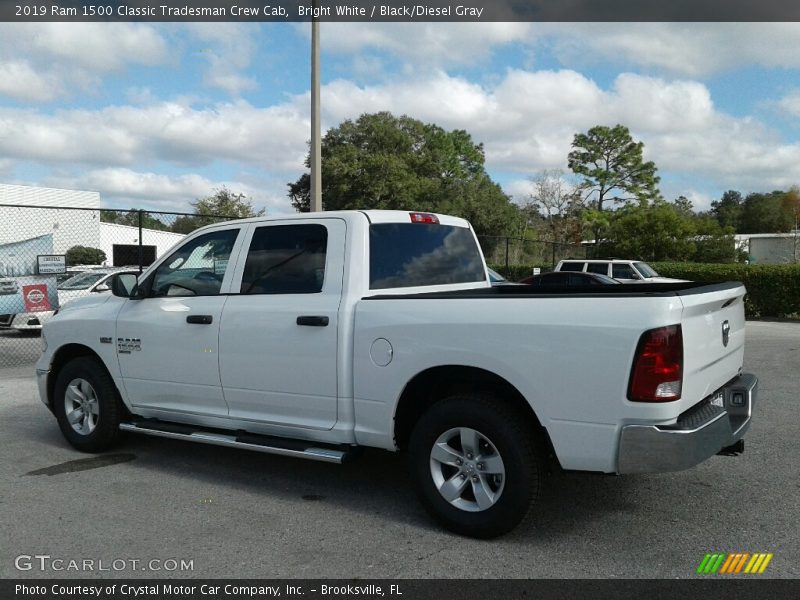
(770, 248)
(72, 217)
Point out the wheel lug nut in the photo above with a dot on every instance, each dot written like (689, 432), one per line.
(480, 466)
(475, 478)
(459, 462)
(469, 455)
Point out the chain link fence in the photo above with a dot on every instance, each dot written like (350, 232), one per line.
(509, 251)
(52, 255)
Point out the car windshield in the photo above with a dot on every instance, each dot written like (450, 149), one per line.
(82, 281)
(646, 270)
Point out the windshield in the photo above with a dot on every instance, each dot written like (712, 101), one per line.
(646, 270)
(82, 281)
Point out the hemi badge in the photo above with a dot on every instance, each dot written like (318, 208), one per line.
(106, 340)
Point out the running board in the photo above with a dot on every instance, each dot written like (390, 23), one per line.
(243, 440)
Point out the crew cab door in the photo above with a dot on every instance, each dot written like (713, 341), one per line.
(167, 342)
(279, 330)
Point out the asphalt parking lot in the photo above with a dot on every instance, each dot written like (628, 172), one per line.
(240, 514)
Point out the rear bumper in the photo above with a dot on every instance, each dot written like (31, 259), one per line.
(717, 422)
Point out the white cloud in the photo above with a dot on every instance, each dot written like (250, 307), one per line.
(59, 59)
(687, 49)
(20, 81)
(790, 103)
(428, 45)
(230, 50)
(124, 135)
(121, 188)
(99, 47)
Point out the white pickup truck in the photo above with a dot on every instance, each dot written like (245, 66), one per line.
(315, 334)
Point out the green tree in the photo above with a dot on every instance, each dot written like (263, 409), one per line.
(762, 213)
(713, 242)
(381, 161)
(728, 209)
(131, 218)
(612, 166)
(222, 205)
(651, 231)
(83, 255)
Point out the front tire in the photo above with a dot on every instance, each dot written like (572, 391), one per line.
(86, 405)
(475, 464)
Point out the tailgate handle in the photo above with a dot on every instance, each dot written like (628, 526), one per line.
(199, 319)
(312, 321)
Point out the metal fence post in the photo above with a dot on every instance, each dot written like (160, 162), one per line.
(507, 241)
(141, 255)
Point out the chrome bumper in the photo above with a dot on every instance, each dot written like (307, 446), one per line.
(717, 422)
(41, 382)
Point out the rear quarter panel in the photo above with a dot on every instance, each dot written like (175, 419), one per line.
(570, 357)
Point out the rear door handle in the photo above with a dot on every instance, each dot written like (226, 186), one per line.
(199, 319)
(313, 321)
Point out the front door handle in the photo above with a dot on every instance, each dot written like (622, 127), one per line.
(199, 319)
(313, 321)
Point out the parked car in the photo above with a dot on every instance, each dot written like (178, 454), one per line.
(91, 281)
(569, 279)
(9, 286)
(80, 284)
(314, 334)
(624, 271)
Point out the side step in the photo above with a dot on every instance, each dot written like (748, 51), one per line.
(243, 440)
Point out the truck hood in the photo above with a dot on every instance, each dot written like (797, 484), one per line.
(71, 303)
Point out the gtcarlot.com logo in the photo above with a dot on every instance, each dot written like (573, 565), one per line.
(731, 563)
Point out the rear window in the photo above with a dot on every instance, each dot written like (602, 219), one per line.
(416, 254)
(571, 266)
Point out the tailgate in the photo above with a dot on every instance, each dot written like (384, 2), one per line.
(713, 338)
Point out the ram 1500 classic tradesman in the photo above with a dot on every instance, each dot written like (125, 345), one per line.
(315, 334)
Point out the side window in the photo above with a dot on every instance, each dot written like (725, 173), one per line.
(596, 267)
(196, 268)
(571, 266)
(286, 259)
(622, 272)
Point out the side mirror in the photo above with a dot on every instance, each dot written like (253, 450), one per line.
(124, 285)
(103, 287)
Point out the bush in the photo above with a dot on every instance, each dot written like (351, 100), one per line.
(83, 255)
(772, 290)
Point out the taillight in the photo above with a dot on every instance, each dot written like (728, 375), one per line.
(657, 373)
(424, 218)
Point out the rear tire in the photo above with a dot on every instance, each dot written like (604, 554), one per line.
(475, 464)
(86, 405)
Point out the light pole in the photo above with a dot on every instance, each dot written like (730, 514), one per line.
(316, 140)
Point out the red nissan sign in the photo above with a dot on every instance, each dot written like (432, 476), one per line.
(35, 296)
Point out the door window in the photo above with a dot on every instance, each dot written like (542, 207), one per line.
(286, 259)
(623, 272)
(197, 268)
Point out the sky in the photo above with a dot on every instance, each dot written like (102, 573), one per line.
(157, 115)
